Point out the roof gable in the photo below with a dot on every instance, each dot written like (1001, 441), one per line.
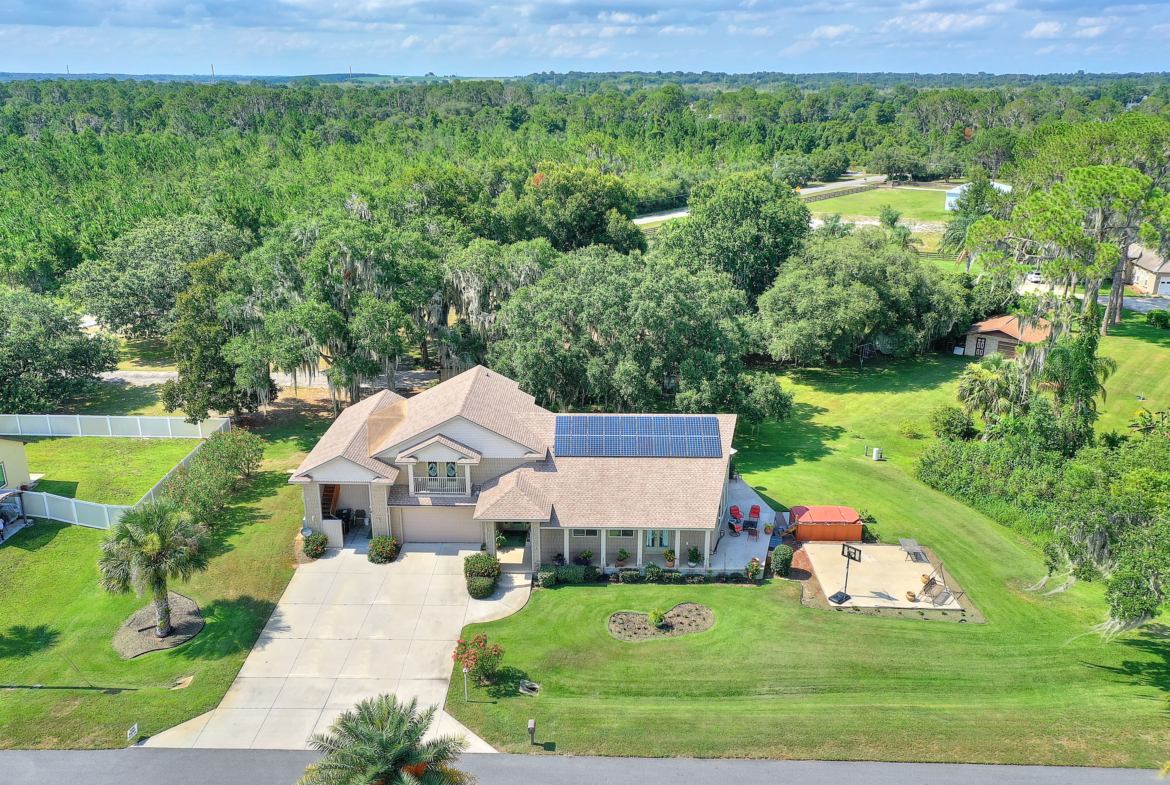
(347, 438)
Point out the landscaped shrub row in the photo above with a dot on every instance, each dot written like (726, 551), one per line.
(547, 577)
(205, 485)
(480, 588)
(781, 560)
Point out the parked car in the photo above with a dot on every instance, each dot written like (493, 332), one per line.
(1034, 277)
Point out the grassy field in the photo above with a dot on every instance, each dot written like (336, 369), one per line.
(1143, 358)
(146, 354)
(65, 687)
(102, 469)
(116, 399)
(775, 679)
(916, 204)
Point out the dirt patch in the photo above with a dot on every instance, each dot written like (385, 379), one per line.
(136, 636)
(683, 619)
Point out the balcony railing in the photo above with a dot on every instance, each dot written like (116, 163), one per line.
(451, 486)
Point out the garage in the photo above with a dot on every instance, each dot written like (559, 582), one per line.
(1164, 287)
(440, 524)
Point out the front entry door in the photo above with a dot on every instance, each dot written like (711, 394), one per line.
(980, 346)
(657, 540)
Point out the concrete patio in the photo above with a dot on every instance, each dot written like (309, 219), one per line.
(345, 630)
(880, 580)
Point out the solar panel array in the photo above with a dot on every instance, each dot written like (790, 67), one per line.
(637, 436)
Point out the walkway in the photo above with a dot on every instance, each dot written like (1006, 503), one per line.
(345, 630)
(1138, 303)
(137, 766)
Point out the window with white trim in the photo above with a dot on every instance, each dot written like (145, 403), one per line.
(584, 532)
(623, 533)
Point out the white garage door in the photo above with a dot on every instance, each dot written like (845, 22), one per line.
(1164, 286)
(440, 524)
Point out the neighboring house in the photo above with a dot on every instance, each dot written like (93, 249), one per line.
(1002, 334)
(954, 193)
(13, 464)
(1148, 272)
(475, 455)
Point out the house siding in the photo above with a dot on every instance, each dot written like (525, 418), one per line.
(465, 432)
(995, 343)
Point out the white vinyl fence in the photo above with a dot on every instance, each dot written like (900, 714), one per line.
(92, 514)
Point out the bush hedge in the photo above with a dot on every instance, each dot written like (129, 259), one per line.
(1160, 319)
(315, 545)
(480, 588)
(546, 579)
(653, 573)
(572, 574)
(629, 576)
(782, 561)
(383, 550)
(481, 565)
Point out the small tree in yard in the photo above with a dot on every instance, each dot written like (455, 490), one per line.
(148, 547)
(482, 659)
(381, 741)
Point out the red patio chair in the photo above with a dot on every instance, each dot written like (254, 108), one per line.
(735, 513)
(754, 515)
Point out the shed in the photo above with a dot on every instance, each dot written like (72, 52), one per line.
(827, 523)
(1002, 334)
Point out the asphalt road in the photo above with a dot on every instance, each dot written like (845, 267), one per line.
(150, 766)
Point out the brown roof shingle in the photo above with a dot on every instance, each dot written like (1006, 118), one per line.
(346, 438)
(1010, 325)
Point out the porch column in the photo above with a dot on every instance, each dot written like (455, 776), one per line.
(678, 546)
(603, 548)
(467, 474)
(707, 549)
(641, 536)
(567, 559)
(410, 478)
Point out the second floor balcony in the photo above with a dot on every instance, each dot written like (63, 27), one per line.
(447, 486)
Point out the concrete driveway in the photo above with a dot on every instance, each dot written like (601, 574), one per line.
(344, 630)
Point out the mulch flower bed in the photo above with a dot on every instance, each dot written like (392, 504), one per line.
(683, 619)
(136, 636)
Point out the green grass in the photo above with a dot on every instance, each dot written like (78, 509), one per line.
(916, 204)
(776, 679)
(145, 354)
(1143, 358)
(102, 469)
(117, 399)
(56, 624)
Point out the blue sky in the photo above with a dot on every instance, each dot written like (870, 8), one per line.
(508, 38)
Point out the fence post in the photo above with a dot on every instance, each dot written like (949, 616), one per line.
(74, 503)
(19, 427)
(49, 420)
(109, 426)
(139, 421)
(79, 433)
(106, 508)
(170, 430)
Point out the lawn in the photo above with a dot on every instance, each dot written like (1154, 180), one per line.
(1143, 357)
(916, 204)
(776, 679)
(103, 469)
(65, 685)
(144, 354)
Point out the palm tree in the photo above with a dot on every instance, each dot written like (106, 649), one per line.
(379, 742)
(992, 387)
(147, 547)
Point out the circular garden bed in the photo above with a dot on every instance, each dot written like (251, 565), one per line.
(683, 619)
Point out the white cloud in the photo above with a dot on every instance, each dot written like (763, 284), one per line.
(411, 40)
(935, 23)
(798, 48)
(1045, 30)
(832, 32)
(755, 31)
(675, 30)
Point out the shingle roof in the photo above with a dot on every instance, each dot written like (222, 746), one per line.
(821, 513)
(1010, 325)
(399, 496)
(1146, 259)
(473, 456)
(614, 493)
(479, 395)
(346, 438)
(516, 496)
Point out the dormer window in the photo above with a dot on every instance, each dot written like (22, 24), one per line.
(442, 477)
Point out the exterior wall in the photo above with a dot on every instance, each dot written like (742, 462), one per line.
(437, 452)
(994, 344)
(394, 517)
(692, 537)
(614, 543)
(354, 497)
(1147, 282)
(578, 544)
(339, 470)
(552, 542)
(15, 464)
(312, 503)
(490, 468)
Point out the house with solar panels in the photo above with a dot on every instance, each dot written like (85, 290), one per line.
(474, 460)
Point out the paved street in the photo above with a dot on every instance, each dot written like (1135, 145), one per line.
(344, 630)
(141, 766)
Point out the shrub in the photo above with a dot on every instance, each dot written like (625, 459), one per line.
(583, 558)
(623, 554)
(668, 555)
(782, 560)
(909, 429)
(546, 579)
(695, 580)
(736, 577)
(383, 550)
(482, 659)
(657, 617)
(559, 560)
(481, 565)
(754, 570)
(1159, 319)
(573, 574)
(205, 484)
(653, 573)
(315, 545)
(239, 452)
(480, 588)
(952, 424)
(672, 576)
(630, 576)
(694, 555)
(593, 575)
